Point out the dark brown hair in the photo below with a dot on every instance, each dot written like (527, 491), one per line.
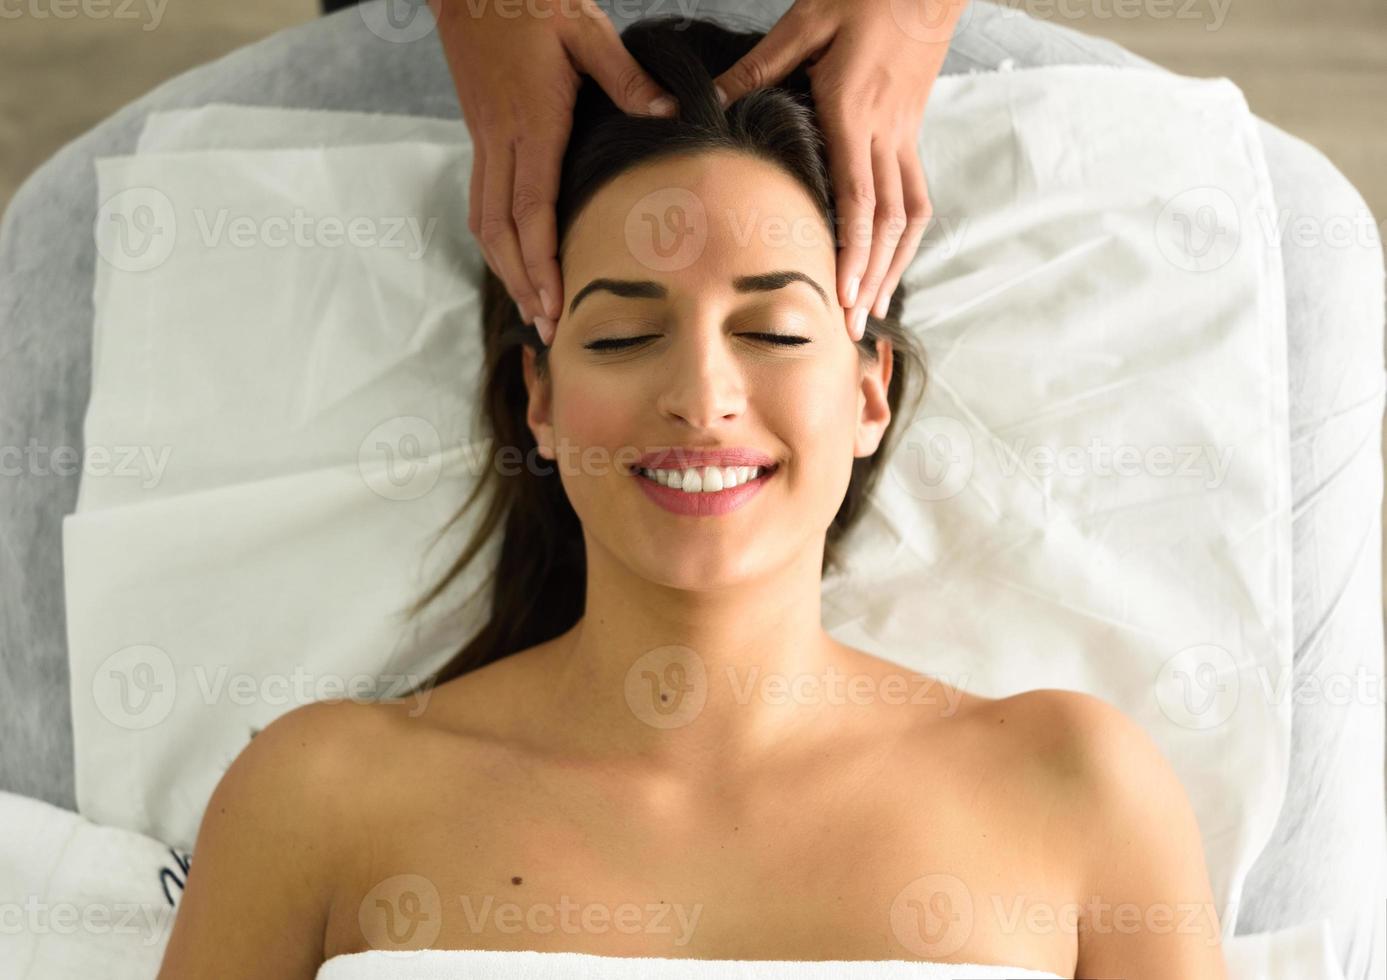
(541, 574)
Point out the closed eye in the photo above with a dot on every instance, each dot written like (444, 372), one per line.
(620, 343)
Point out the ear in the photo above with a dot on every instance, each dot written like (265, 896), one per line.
(873, 409)
(538, 415)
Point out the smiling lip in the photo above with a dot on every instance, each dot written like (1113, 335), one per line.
(704, 504)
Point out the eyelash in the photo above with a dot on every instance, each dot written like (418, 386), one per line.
(622, 343)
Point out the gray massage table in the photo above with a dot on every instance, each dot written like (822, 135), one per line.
(1332, 830)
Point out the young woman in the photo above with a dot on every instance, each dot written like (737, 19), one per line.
(653, 759)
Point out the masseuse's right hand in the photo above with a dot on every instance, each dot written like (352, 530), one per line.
(516, 69)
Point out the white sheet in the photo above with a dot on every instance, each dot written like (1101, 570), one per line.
(1057, 307)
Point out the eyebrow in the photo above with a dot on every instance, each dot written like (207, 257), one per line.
(649, 289)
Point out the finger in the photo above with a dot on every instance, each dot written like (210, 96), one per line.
(783, 49)
(918, 209)
(889, 222)
(474, 203)
(850, 163)
(888, 225)
(538, 159)
(597, 50)
(498, 228)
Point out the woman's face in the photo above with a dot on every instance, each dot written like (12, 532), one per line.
(682, 238)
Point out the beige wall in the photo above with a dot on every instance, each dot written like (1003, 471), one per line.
(1316, 68)
(60, 76)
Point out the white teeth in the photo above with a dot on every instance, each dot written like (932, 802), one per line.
(707, 479)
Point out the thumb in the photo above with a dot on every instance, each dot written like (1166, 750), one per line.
(781, 51)
(599, 52)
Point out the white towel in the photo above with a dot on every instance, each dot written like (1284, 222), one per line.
(81, 900)
(433, 964)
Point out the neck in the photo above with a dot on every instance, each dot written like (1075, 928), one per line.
(694, 681)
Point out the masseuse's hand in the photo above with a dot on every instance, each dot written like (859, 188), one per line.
(871, 68)
(517, 78)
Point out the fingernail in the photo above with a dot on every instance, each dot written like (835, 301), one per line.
(547, 302)
(853, 283)
(662, 106)
(859, 322)
(722, 96)
(545, 326)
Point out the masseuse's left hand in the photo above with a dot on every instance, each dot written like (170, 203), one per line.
(871, 66)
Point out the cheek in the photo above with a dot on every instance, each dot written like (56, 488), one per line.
(824, 421)
(593, 423)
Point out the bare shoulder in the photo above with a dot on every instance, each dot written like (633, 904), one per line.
(1065, 730)
(275, 832)
(1096, 758)
(1145, 901)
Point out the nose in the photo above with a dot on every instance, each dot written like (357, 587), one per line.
(704, 384)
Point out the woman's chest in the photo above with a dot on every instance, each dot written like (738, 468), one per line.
(951, 870)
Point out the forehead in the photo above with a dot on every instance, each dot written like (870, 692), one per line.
(705, 217)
